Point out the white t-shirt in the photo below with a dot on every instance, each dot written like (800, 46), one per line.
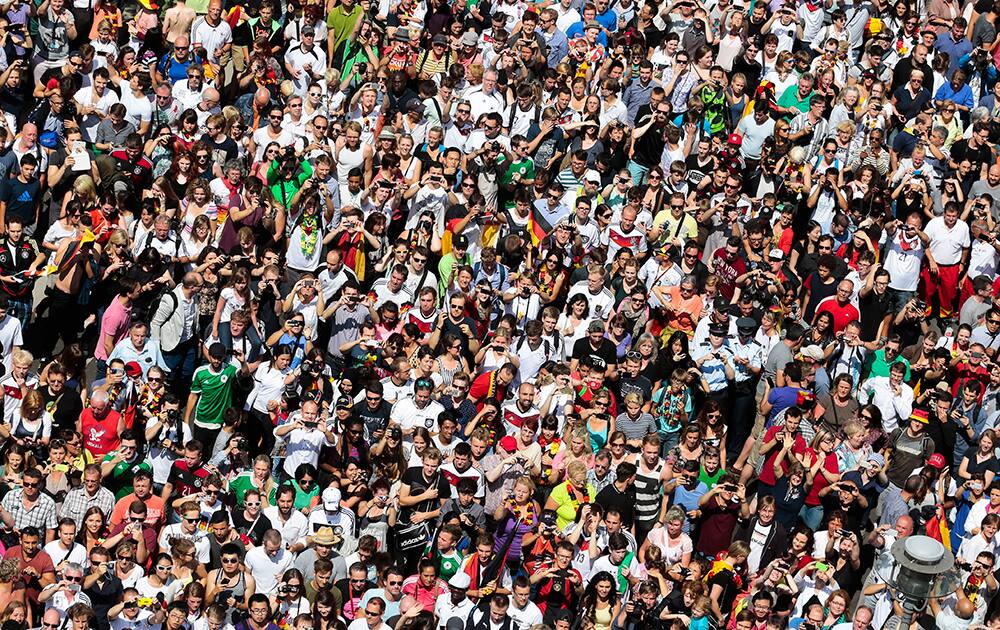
(266, 569)
(902, 261)
(88, 98)
(199, 538)
(302, 447)
(947, 244)
(269, 384)
(138, 109)
(409, 416)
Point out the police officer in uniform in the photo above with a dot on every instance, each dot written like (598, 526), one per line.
(18, 256)
(715, 360)
(748, 364)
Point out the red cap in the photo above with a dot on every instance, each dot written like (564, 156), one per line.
(508, 443)
(735, 139)
(936, 461)
(132, 368)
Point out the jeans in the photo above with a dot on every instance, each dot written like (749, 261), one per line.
(812, 516)
(180, 363)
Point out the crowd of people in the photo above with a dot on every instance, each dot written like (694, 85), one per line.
(496, 314)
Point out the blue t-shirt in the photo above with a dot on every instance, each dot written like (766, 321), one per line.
(688, 499)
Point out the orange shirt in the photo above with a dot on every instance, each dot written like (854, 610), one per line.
(682, 314)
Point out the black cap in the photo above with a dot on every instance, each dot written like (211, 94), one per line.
(460, 241)
(217, 351)
(344, 402)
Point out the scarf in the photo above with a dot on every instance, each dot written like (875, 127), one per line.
(309, 234)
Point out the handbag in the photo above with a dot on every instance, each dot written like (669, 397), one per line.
(413, 535)
(410, 537)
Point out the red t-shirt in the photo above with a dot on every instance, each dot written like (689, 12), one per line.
(767, 473)
(820, 482)
(42, 563)
(842, 314)
(100, 436)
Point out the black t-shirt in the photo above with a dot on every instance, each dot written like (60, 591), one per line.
(978, 156)
(253, 529)
(610, 498)
(375, 420)
(873, 308)
(606, 350)
(65, 408)
(414, 478)
(750, 69)
(223, 151)
(639, 384)
(649, 147)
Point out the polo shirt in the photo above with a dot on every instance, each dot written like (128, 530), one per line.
(947, 244)
(791, 99)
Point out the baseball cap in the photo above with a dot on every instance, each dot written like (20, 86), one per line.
(132, 369)
(813, 352)
(460, 580)
(460, 241)
(936, 461)
(331, 499)
(217, 351)
(439, 39)
(776, 254)
(734, 139)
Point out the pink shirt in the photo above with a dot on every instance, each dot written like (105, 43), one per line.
(114, 325)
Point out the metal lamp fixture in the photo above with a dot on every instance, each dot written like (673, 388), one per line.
(916, 569)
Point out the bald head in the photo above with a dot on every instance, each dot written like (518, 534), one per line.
(52, 616)
(210, 97)
(182, 41)
(964, 608)
(261, 97)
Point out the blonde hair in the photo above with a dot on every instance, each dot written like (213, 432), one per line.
(85, 189)
(575, 469)
(21, 357)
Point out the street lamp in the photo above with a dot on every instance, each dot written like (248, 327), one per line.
(917, 568)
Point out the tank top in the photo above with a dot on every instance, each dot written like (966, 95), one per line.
(648, 493)
(446, 374)
(597, 440)
(349, 159)
(237, 590)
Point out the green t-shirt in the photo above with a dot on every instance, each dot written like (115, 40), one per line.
(342, 24)
(525, 167)
(710, 480)
(216, 391)
(303, 498)
(120, 479)
(243, 484)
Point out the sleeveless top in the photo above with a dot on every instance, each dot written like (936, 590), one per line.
(648, 493)
(446, 374)
(349, 159)
(597, 440)
(237, 590)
